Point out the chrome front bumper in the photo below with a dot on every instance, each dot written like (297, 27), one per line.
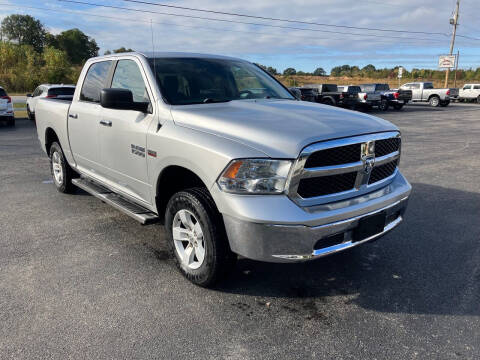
(287, 242)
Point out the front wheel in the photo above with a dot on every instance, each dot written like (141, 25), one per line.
(62, 173)
(197, 238)
(31, 116)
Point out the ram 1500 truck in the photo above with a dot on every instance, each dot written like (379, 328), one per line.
(183, 139)
(395, 98)
(425, 92)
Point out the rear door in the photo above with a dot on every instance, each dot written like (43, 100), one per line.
(84, 117)
(123, 134)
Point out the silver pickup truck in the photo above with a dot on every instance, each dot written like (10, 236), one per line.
(426, 92)
(226, 158)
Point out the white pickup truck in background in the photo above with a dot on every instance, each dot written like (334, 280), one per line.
(426, 92)
(221, 153)
(470, 92)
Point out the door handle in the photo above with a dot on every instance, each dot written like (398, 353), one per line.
(105, 122)
(73, 116)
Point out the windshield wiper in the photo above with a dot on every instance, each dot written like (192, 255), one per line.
(210, 100)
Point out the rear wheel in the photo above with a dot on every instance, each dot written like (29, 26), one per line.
(62, 173)
(434, 101)
(383, 105)
(444, 103)
(197, 238)
(398, 106)
(328, 101)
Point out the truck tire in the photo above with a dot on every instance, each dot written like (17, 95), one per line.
(444, 103)
(196, 237)
(11, 121)
(328, 101)
(62, 173)
(434, 101)
(398, 106)
(478, 99)
(31, 116)
(383, 105)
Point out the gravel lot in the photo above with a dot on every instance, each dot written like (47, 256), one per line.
(78, 279)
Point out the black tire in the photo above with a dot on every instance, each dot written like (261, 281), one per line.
(11, 121)
(383, 105)
(218, 260)
(444, 103)
(434, 101)
(31, 116)
(328, 101)
(478, 99)
(398, 106)
(65, 185)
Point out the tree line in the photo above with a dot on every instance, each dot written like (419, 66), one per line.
(30, 55)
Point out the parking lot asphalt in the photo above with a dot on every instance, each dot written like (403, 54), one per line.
(78, 279)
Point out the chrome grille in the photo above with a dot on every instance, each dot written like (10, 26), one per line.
(343, 168)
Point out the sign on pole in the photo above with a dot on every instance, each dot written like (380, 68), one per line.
(446, 61)
(400, 72)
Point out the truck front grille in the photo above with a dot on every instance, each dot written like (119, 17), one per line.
(343, 168)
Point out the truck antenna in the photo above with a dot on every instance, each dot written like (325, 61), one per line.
(153, 51)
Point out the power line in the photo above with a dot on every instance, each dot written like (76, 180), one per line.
(280, 19)
(242, 22)
(174, 24)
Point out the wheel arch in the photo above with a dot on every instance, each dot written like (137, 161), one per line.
(50, 137)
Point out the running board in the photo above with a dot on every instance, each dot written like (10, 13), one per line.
(129, 208)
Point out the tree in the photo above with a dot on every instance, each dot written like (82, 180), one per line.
(272, 70)
(25, 30)
(122, 50)
(289, 71)
(57, 67)
(78, 46)
(369, 68)
(108, 52)
(319, 72)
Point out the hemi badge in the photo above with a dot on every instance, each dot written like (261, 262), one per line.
(152, 153)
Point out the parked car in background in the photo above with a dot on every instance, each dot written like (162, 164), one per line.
(327, 94)
(296, 92)
(470, 92)
(426, 92)
(185, 139)
(306, 94)
(58, 91)
(395, 98)
(350, 96)
(6, 108)
(369, 97)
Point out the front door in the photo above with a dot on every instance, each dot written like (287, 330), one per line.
(83, 119)
(123, 134)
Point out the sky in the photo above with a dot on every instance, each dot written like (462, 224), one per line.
(274, 43)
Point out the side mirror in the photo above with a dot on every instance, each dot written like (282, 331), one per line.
(29, 95)
(121, 99)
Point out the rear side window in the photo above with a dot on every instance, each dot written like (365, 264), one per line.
(61, 91)
(3, 93)
(128, 76)
(428, 86)
(95, 81)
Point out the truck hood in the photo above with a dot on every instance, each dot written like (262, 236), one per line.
(278, 128)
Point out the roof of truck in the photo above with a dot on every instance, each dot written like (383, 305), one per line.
(166, 54)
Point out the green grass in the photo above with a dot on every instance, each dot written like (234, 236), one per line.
(19, 105)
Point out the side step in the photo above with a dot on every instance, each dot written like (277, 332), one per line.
(133, 210)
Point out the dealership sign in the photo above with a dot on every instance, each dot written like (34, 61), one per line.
(446, 61)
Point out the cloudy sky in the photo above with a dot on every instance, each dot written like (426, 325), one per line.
(275, 43)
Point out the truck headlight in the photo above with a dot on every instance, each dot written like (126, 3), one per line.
(255, 176)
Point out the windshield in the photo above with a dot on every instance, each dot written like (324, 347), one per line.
(185, 81)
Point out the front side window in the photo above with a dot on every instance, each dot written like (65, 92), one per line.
(128, 76)
(185, 81)
(95, 81)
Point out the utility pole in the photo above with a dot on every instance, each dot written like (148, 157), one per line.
(456, 69)
(454, 22)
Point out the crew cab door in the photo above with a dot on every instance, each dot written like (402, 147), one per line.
(123, 134)
(83, 119)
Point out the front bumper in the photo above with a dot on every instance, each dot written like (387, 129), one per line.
(297, 238)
